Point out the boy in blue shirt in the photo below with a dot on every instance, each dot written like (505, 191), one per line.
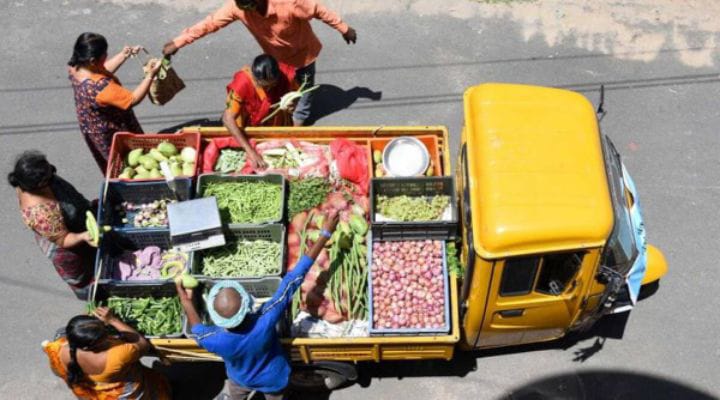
(247, 342)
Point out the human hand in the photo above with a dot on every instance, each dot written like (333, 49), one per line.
(184, 294)
(350, 36)
(104, 314)
(130, 51)
(256, 160)
(153, 66)
(85, 237)
(169, 49)
(331, 221)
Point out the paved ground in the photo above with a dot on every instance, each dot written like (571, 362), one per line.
(658, 60)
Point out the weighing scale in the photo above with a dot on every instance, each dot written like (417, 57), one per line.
(195, 224)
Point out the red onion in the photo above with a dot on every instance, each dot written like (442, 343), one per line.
(408, 284)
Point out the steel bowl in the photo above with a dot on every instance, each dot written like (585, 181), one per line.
(406, 156)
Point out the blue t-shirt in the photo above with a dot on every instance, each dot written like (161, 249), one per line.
(254, 357)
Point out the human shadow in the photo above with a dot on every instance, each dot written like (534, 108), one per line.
(609, 327)
(193, 380)
(202, 122)
(329, 99)
(601, 384)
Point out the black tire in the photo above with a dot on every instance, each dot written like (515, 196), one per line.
(322, 376)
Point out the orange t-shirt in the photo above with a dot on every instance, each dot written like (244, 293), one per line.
(284, 33)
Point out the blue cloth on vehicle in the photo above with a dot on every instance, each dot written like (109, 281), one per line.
(253, 355)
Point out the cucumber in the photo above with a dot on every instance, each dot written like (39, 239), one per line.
(92, 228)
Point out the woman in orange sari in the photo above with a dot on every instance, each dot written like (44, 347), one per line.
(250, 95)
(100, 364)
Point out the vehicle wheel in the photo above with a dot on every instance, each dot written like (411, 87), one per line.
(322, 376)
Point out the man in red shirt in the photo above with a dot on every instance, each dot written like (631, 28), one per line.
(281, 28)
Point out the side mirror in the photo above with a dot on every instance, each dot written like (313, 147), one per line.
(600, 109)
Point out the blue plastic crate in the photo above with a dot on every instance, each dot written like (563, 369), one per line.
(136, 192)
(409, 331)
(115, 243)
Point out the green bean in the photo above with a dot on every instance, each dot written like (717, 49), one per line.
(406, 208)
(247, 202)
(243, 259)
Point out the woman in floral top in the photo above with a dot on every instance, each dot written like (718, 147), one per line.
(55, 211)
(103, 105)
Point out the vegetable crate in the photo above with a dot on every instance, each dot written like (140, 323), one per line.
(124, 142)
(279, 180)
(152, 290)
(409, 331)
(116, 243)
(430, 142)
(414, 187)
(261, 286)
(136, 193)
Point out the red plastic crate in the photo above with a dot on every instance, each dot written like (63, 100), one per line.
(124, 142)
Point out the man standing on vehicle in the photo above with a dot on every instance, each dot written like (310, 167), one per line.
(247, 341)
(281, 28)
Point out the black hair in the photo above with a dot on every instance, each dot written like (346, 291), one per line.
(265, 68)
(89, 47)
(32, 171)
(245, 3)
(82, 332)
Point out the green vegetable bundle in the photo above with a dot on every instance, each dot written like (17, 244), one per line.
(247, 202)
(243, 259)
(230, 160)
(150, 316)
(406, 208)
(306, 194)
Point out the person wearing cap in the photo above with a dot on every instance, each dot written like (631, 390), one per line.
(247, 341)
(281, 28)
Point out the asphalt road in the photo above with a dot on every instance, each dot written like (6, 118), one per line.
(662, 115)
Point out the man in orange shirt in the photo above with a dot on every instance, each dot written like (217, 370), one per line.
(281, 28)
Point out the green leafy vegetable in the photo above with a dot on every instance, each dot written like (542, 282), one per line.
(306, 194)
(150, 316)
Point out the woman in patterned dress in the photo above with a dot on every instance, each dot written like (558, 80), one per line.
(55, 211)
(99, 359)
(103, 105)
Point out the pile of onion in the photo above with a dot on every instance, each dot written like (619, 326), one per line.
(408, 285)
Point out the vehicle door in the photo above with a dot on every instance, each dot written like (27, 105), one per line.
(535, 298)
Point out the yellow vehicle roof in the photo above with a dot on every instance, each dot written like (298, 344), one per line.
(536, 171)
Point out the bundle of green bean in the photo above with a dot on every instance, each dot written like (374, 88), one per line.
(247, 202)
(406, 208)
(243, 259)
(306, 194)
(230, 160)
(150, 316)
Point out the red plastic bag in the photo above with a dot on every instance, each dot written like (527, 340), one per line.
(352, 163)
(212, 152)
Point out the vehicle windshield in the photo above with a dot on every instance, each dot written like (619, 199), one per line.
(620, 252)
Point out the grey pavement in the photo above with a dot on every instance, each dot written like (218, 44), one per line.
(662, 115)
